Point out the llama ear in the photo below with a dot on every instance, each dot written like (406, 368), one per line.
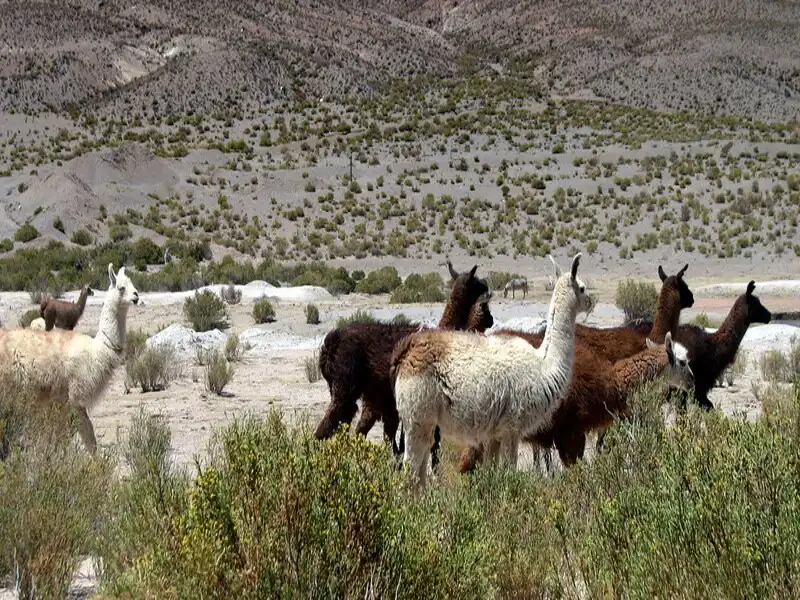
(453, 272)
(750, 287)
(650, 343)
(575, 262)
(472, 272)
(555, 266)
(661, 273)
(682, 271)
(111, 276)
(670, 349)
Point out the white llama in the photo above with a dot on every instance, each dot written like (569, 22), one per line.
(479, 388)
(38, 323)
(68, 366)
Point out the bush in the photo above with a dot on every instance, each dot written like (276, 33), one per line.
(360, 316)
(381, 281)
(58, 225)
(263, 311)
(497, 280)
(135, 342)
(231, 294)
(28, 316)
(312, 314)
(637, 299)
(777, 367)
(419, 288)
(26, 233)
(151, 368)
(234, 348)
(206, 311)
(51, 496)
(81, 237)
(218, 372)
(6, 245)
(313, 373)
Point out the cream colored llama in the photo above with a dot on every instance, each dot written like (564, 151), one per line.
(479, 388)
(38, 323)
(68, 366)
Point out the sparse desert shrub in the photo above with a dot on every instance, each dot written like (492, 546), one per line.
(6, 245)
(703, 320)
(312, 314)
(738, 368)
(419, 288)
(637, 299)
(360, 316)
(235, 348)
(218, 372)
(263, 311)
(51, 496)
(779, 367)
(206, 311)
(231, 294)
(401, 319)
(81, 237)
(28, 316)
(311, 363)
(26, 233)
(151, 368)
(135, 342)
(58, 225)
(381, 281)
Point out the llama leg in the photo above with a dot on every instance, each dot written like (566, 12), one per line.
(436, 449)
(369, 416)
(570, 447)
(418, 445)
(493, 452)
(704, 402)
(340, 410)
(510, 452)
(85, 428)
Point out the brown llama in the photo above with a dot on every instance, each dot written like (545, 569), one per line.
(596, 350)
(354, 360)
(711, 353)
(63, 314)
(597, 394)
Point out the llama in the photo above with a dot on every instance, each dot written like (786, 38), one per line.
(354, 360)
(62, 314)
(598, 394)
(71, 367)
(711, 353)
(519, 283)
(38, 323)
(478, 388)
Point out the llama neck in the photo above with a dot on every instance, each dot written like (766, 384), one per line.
(81, 303)
(730, 334)
(111, 331)
(559, 336)
(668, 315)
(456, 314)
(643, 366)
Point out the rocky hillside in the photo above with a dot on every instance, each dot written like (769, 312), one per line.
(172, 56)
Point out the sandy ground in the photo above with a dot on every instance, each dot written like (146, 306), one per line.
(273, 375)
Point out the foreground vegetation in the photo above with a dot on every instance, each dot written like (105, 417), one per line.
(704, 508)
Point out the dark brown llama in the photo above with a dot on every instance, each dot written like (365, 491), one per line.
(354, 360)
(596, 351)
(597, 395)
(63, 314)
(711, 353)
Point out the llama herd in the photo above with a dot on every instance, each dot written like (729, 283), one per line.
(491, 392)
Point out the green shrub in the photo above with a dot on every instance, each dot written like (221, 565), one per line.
(311, 363)
(151, 368)
(218, 372)
(703, 320)
(135, 342)
(637, 299)
(26, 233)
(206, 311)
(312, 314)
(381, 281)
(263, 311)
(360, 316)
(81, 237)
(6, 245)
(497, 280)
(779, 367)
(58, 225)
(419, 288)
(401, 319)
(234, 348)
(28, 316)
(231, 294)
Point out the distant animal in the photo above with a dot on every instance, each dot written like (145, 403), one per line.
(63, 314)
(67, 366)
(519, 283)
(354, 360)
(479, 388)
(711, 353)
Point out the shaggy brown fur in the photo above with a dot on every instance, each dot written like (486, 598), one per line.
(63, 314)
(712, 353)
(354, 360)
(596, 397)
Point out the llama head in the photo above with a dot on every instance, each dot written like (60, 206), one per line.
(679, 373)
(89, 291)
(755, 311)
(122, 286)
(571, 281)
(468, 289)
(675, 285)
(480, 317)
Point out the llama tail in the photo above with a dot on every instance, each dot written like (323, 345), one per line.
(400, 350)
